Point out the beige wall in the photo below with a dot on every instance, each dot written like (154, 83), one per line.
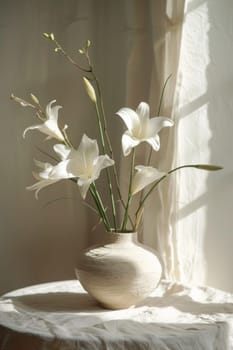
(133, 50)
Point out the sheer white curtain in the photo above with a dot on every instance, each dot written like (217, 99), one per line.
(202, 233)
(136, 46)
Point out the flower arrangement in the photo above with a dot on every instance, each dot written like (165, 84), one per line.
(84, 165)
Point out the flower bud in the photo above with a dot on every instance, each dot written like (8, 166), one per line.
(49, 36)
(88, 44)
(89, 89)
(34, 99)
(208, 167)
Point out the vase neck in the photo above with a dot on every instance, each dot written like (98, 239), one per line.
(121, 237)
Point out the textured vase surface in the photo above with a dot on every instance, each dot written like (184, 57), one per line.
(119, 272)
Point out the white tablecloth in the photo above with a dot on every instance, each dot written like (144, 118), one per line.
(60, 315)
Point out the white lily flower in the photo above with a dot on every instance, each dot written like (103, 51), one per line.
(86, 164)
(50, 126)
(141, 128)
(83, 164)
(144, 176)
(47, 176)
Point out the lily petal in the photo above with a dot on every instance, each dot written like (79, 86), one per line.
(157, 123)
(143, 111)
(42, 165)
(130, 118)
(40, 185)
(59, 171)
(144, 176)
(84, 185)
(101, 163)
(33, 127)
(62, 150)
(128, 143)
(51, 128)
(154, 142)
(52, 112)
(88, 150)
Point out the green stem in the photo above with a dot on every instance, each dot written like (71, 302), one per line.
(97, 199)
(68, 57)
(100, 127)
(105, 130)
(162, 94)
(108, 138)
(102, 132)
(40, 113)
(158, 113)
(107, 170)
(126, 216)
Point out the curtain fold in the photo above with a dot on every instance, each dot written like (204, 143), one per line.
(154, 37)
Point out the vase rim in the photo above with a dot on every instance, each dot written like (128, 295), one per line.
(121, 232)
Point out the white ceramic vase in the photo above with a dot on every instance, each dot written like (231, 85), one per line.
(119, 272)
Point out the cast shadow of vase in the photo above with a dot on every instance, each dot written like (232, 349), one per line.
(56, 302)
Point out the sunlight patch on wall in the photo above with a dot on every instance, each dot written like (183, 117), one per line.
(193, 135)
